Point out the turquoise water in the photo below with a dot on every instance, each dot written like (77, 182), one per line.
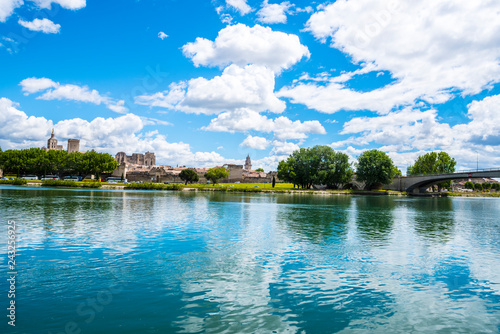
(165, 262)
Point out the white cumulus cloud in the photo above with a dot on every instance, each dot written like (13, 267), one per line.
(284, 148)
(484, 128)
(240, 5)
(243, 120)
(56, 91)
(7, 8)
(249, 87)
(243, 45)
(18, 129)
(408, 133)
(273, 13)
(162, 35)
(35, 85)
(45, 25)
(433, 51)
(67, 4)
(255, 142)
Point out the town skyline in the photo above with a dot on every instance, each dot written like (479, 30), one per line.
(204, 84)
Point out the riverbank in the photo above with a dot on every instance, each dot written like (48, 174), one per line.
(279, 189)
(482, 194)
(236, 188)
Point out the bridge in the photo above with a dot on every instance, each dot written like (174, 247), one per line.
(419, 183)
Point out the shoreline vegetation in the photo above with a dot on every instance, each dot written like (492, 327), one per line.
(266, 188)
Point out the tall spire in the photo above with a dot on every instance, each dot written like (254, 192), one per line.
(248, 163)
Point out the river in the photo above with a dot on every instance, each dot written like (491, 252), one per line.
(93, 261)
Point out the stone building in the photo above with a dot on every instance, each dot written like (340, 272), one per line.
(147, 159)
(73, 144)
(235, 173)
(52, 143)
(159, 174)
(143, 168)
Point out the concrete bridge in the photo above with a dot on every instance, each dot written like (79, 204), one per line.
(419, 183)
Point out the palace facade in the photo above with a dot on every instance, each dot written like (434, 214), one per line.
(142, 168)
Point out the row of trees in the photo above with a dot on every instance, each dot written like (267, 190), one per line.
(482, 186)
(213, 174)
(322, 165)
(39, 162)
(316, 165)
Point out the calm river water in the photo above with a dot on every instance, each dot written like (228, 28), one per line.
(167, 262)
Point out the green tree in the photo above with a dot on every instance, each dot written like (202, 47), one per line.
(57, 161)
(495, 186)
(11, 162)
(27, 161)
(434, 163)
(260, 170)
(215, 174)
(188, 175)
(374, 167)
(478, 186)
(486, 185)
(302, 162)
(469, 185)
(96, 163)
(285, 172)
(40, 162)
(316, 165)
(338, 169)
(74, 163)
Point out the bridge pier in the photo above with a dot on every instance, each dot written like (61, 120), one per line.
(421, 190)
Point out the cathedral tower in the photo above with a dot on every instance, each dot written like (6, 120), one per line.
(248, 163)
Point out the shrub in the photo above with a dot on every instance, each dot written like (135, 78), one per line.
(495, 186)
(72, 184)
(154, 186)
(17, 182)
(478, 186)
(486, 185)
(469, 185)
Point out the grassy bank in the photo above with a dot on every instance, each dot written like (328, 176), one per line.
(478, 194)
(244, 186)
(71, 184)
(154, 186)
(280, 188)
(17, 182)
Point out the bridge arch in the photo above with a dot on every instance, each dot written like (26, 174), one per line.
(419, 183)
(423, 185)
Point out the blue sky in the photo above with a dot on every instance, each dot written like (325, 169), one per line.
(203, 83)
